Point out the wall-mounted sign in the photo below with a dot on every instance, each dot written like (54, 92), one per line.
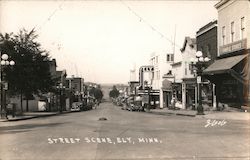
(235, 46)
(198, 79)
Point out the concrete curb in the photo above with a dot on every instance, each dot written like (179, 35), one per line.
(34, 116)
(171, 113)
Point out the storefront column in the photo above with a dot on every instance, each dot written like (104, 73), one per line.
(214, 97)
(196, 97)
(184, 95)
(161, 99)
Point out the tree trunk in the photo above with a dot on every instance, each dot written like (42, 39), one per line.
(21, 100)
(27, 105)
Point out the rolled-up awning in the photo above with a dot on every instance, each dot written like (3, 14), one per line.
(222, 65)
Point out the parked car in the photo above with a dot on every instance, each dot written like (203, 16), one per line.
(76, 107)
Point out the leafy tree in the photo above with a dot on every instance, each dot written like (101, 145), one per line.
(98, 94)
(31, 73)
(114, 93)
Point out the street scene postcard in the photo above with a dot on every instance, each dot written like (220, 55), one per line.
(124, 80)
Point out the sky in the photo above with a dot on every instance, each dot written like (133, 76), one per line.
(101, 41)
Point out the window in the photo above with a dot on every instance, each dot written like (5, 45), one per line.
(202, 49)
(156, 59)
(185, 68)
(242, 27)
(209, 51)
(191, 69)
(170, 57)
(153, 61)
(232, 31)
(223, 35)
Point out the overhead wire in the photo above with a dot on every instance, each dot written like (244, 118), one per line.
(153, 28)
(59, 7)
(58, 45)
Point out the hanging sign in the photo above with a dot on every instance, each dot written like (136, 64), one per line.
(198, 79)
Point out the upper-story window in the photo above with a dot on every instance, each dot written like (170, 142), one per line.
(242, 27)
(209, 51)
(153, 61)
(186, 68)
(232, 31)
(156, 61)
(223, 35)
(170, 57)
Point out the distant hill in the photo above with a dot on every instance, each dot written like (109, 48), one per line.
(107, 87)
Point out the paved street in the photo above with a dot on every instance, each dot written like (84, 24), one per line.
(124, 135)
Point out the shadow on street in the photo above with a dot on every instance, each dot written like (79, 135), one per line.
(25, 127)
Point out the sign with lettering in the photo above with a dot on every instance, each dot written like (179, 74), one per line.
(235, 46)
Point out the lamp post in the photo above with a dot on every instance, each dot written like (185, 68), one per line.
(60, 87)
(198, 65)
(4, 62)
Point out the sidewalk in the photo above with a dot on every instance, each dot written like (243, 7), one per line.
(226, 115)
(31, 115)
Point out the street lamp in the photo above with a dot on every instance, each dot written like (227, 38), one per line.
(4, 62)
(61, 87)
(198, 65)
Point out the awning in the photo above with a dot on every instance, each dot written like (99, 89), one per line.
(227, 66)
(223, 65)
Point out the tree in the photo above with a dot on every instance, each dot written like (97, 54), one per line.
(98, 94)
(114, 93)
(31, 73)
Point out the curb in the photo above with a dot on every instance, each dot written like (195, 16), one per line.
(182, 114)
(32, 117)
(169, 113)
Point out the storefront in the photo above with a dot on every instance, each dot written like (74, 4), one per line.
(188, 93)
(167, 93)
(231, 77)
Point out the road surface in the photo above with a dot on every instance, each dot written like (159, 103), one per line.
(124, 135)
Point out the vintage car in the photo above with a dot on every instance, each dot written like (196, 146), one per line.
(76, 106)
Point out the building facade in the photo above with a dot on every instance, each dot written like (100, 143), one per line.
(230, 72)
(206, 38)
(76, 86)
(161, 63)
(184, 80)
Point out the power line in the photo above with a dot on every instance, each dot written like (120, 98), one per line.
(148, 24)
(50, 17)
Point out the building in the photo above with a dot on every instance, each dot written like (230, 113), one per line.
(52, 99)
(76, 86)
(133, 83)
(161, 63)
(183, 84)
(206, 39)
(230, 72)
